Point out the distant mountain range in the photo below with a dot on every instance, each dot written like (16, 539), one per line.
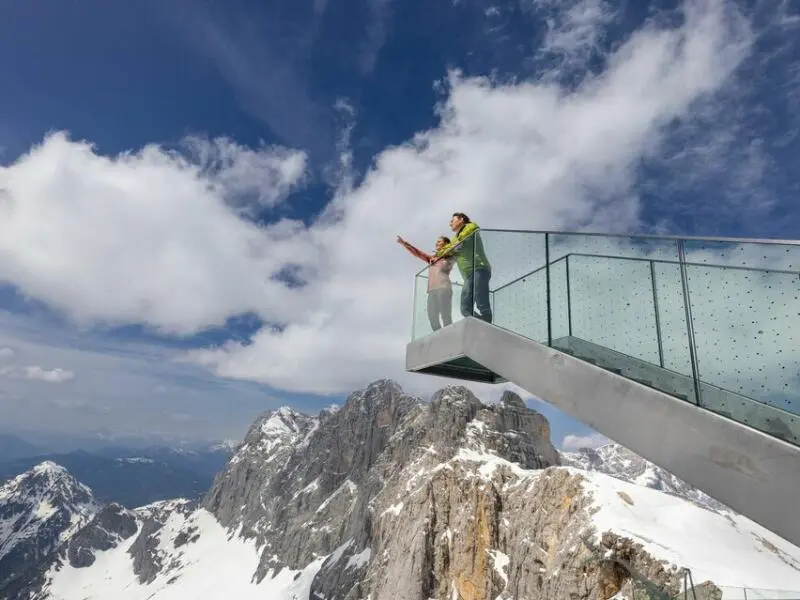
(13, 447)
(130, 477)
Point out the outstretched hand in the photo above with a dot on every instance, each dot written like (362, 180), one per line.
(400, 240)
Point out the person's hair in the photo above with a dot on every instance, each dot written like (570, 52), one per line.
(445, 239)
(463, 217)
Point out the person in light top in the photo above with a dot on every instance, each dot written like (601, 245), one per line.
(440, 291)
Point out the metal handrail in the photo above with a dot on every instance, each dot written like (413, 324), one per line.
(641, 259)
(685, 262)
(648, 236)
(658, 260)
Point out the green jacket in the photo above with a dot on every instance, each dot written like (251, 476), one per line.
(467, 248)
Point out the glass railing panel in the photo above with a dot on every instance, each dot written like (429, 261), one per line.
(518, 283)
(745, 307)
(429, 306)
(560, 310)
(420, 326)
(746, 338)
(512, 254)
(753, 255)
(612, 305)
(609, 295)
(659, 249)
(669, 299)
(521, 307)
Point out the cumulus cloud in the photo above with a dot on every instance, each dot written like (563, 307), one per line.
(505, 154)
(147, 237)
(152, 237)
(247, 178)
(571, 443)
(6, 352)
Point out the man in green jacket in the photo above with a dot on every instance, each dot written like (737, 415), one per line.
(467, 248)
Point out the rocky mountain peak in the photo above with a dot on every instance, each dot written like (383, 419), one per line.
(508, 429)
(331, 475)
(622, 463)
(48, 487)
(39, 510)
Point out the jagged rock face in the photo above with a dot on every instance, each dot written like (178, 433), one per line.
(39, 510)
(112, 525)
(309, 487)
(618, 461)
(148, 559)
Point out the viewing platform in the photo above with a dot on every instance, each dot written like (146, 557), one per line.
(685, 350)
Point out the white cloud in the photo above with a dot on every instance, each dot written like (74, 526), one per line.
(151, 237)
(37, 373)
(572, 443)
(575, 29)
(147, 236)
(507, 155)
(50, 376)
(6, 352)
(250, 179)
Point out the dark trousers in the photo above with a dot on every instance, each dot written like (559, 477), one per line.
(440, 304)
(476, 294)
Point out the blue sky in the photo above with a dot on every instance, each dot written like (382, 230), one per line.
(249, 140)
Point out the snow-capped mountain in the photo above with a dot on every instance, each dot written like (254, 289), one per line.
(393, 497)
(619, 462)
(39, 510)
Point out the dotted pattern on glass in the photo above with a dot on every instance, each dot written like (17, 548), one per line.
(562, 244)
(747, 332)
(770, 419)
(522, 307)
(559, 297)
(512, 255)
(612, 305)
(672, 318)
(771, 257)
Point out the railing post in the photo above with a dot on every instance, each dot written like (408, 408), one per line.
(414, 311)
(688, 573)
(569, 301)
(689, 322)
(658, 319)
(547, 278)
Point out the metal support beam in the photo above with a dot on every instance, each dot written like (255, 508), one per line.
(755, 474)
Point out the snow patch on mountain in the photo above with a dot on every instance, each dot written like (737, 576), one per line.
(619, 462)
(728, 549)
(213, 563)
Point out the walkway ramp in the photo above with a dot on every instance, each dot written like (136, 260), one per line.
(686, 351)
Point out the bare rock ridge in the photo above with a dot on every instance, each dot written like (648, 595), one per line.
(324, 476)
(387, 489)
